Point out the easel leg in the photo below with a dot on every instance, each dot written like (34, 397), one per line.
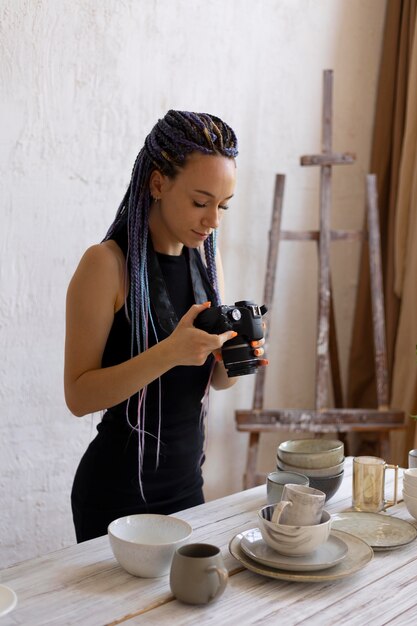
(250, 475)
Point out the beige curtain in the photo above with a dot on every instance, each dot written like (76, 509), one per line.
(388, 157)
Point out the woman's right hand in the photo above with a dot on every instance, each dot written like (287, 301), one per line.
(190, 345)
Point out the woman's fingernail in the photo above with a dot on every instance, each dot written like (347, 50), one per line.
(258, 352)
(234, 334)
(208, 303)
(218, 357)
(254, 344)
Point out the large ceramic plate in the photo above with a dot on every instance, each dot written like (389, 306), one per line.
(326, 555)
(8, 599)
(379, 530)
(359, 554)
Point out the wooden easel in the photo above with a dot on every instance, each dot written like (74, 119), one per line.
(323, 418)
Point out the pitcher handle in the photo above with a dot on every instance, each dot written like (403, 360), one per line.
(392, 502)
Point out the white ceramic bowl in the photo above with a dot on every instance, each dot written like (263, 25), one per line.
(322, 472)
(311, 453)
(410, 475)
(293, 540)
(410, 488)
(145, 544)
(411, 504)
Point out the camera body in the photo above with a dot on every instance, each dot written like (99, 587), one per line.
(245, 318)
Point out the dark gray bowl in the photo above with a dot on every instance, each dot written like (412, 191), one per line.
(329, 484)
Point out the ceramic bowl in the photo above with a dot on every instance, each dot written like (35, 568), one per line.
(410, 488)
(293, 540)
(410, 475)
(311, 453)
(312, 473)
(328, 484)
(411, 504)
(145, 544)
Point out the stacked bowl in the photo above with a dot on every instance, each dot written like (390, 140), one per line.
(410, 491)
(321, 460)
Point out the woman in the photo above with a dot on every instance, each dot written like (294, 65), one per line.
(131, 347)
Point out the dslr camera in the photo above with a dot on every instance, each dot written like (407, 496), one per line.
(245, 318)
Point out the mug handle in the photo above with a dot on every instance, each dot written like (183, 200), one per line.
(223, 575)
(279, 507)
(392, 502)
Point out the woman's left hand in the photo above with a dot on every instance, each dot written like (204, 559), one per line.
(258, 352)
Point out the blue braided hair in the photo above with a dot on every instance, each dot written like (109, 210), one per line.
(166, 148)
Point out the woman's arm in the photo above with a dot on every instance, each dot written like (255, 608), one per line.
(94, 294)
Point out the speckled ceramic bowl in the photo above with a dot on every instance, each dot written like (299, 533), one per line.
(144, 545)
(312, 472)
(311, 453)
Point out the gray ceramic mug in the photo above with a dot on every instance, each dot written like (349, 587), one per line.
(198, 574)
(276, 481)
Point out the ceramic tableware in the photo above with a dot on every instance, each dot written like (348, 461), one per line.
(311, 453)
(275, 482)
(380, 530)
(326, 555)
(198, 574)
(300, 505)
(410, 504)
(410, 475)
(292, 540)
(359, 554)
(410, 488)
(368, 486)
(144, 544)
(8, 600)
(412, 458)
(332, 470)
(328, 484)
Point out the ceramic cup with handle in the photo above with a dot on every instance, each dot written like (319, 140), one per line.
(412, 458)
(300, 506)
(276, 481)
(198, 574)
(368, 486)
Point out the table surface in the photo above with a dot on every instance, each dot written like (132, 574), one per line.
(83, 584)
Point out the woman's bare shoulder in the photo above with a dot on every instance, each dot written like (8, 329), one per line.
(101, 266)
(106, 254)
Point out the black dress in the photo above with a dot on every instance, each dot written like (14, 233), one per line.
(106, 484)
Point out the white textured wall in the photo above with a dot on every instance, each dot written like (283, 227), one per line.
(81, 83)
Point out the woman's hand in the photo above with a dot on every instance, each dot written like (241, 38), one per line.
(190, 345)
(258, 351)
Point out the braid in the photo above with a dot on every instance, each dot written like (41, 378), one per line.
(166, 149)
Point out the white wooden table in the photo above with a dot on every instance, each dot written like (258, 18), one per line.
(83, 584)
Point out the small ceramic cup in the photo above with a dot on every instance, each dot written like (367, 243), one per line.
(198, 574)
(300, 506)
(276, 481)
(412, 458)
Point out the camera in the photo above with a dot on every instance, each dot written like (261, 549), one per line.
(245, 318)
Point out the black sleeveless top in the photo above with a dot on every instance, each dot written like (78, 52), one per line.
(176, 282)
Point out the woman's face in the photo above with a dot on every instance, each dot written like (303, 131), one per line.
(191, 205)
